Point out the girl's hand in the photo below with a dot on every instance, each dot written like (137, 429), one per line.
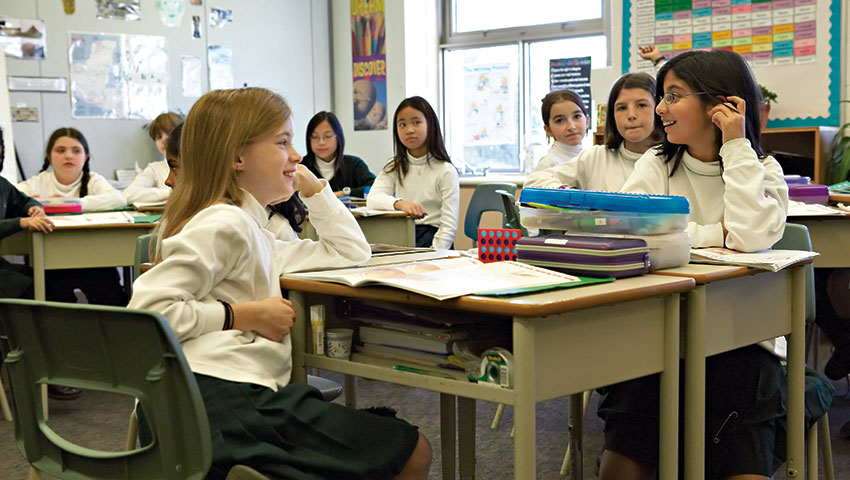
(36, 211)
(413, 209)
(649, 52)
(37, 224)
(306, 182)
(729, 117)
(271, 318)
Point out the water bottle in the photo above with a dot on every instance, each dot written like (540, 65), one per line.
(346, 199)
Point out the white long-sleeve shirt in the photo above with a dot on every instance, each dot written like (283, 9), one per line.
(597, 168)
(149, 186)
(749, 196)
(434, 184)
(558, 154)
(224, 253)
(101, 195)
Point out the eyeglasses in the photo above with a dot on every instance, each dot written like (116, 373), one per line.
(670, 98)
(327, 138)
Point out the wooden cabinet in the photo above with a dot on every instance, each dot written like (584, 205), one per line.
(809, 142)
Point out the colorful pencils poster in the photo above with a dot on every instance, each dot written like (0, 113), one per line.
(369, 64)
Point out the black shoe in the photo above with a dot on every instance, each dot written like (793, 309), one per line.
(838, 365)
(58, 392)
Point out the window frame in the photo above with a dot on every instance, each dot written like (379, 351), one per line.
(523, 37)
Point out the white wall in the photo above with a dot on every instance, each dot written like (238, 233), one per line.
(279, 44)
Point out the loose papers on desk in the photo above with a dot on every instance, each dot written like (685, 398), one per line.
(367, 212)
(772, 260)
(100, 218)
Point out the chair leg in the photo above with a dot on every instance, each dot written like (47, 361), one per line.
(826, 447)
(585, 402)
(4, 404)
(34, 474)
(812, 453)
(132, 431)
(497, 418)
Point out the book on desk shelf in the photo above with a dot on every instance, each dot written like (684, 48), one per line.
(410, 355)
(772, 260)
(445, 278)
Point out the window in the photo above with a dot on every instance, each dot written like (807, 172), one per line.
(496, 71)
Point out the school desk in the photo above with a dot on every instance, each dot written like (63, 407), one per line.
(395, 228)
(564, 342)
(732, 307)
(830, 237)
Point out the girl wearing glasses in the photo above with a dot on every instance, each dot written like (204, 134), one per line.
(629, 131)
(711, 154)
(325, 158)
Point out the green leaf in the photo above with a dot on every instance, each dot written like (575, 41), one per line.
(839, 158)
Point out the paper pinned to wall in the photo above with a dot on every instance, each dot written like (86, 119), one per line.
(191, 69)
(220, 17)
(128, 10)
(220, 63)
(22, 38)
(118, 76)
(170, 11)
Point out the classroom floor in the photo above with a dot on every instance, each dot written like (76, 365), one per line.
(99, 420)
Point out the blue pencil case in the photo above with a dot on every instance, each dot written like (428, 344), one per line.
(602, 212)
(592, 256)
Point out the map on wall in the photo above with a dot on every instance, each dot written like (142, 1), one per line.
(489, 112)
(788, 44)
(118, 76)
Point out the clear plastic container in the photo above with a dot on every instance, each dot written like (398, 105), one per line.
(669, 250)
(603, 221)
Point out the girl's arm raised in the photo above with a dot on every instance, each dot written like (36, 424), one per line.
(756, 198)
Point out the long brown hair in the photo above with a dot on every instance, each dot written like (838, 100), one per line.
(219, 126)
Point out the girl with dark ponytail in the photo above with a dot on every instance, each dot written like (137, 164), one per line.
(65, 173)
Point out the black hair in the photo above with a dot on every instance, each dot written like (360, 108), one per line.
(293, 210)
(436, 147)
(644, 81)
(339, 167)
(172, 145)
(718, 73)
(78, 136)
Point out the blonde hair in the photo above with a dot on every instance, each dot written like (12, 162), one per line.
(219, 126)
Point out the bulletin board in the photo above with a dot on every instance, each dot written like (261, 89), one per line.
(789, 44)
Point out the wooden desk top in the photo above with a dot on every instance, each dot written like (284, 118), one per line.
(704, 273)
(535, 305)
(107, 226)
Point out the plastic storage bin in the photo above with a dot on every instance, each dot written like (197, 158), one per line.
(602, 212)
(669, 250)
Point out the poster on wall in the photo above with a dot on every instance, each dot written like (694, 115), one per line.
(490, 109)
(220, 65)
(22, 38)
(118, 76)
(170, 11)
(191, 78)
(571, 73)
(369, 64)
(787, 43)
(128, 10)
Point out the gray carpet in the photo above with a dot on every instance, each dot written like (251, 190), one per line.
(99, 420)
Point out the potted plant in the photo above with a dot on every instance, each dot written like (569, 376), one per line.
(839, 159)
(767, 97)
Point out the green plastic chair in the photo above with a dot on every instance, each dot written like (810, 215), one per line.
(142, 254)
(511, 219)
(484, 199)
(796, 237)
(111, 349)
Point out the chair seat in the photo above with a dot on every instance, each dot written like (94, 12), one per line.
(329, 388)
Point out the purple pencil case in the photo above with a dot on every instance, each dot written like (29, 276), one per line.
(592, 256)
(809, 193)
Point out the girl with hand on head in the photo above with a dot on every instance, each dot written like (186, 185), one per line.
(325, 157)
(420, 178)
(630, 130)
(565, 119)
(67, 158)
(216, 280)
(149, 186)
(711, 155)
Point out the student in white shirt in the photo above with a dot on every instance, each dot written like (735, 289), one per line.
(216, 280)
(738, 198)
(149, 186)
(630, 130)
(65, 174)
(565, 119)
(420, 179)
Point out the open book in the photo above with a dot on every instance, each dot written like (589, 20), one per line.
(773, 260)
(102, 218)
(446, 278)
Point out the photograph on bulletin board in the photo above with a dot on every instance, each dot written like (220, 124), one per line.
(788, 44)
(22, 38)
(369, 64)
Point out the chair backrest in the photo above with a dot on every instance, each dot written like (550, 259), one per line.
(511, 219)
(796, 237)
(142, 253)
(111, 349)
(484, 199)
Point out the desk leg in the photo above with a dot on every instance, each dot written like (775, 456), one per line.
(669, 409)
(695, 385)
(525, 462)
(299, 335)
(796, 376)
(466, 437)
(350, 391)
(38, 266)
(576, 469)
(448, 429)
